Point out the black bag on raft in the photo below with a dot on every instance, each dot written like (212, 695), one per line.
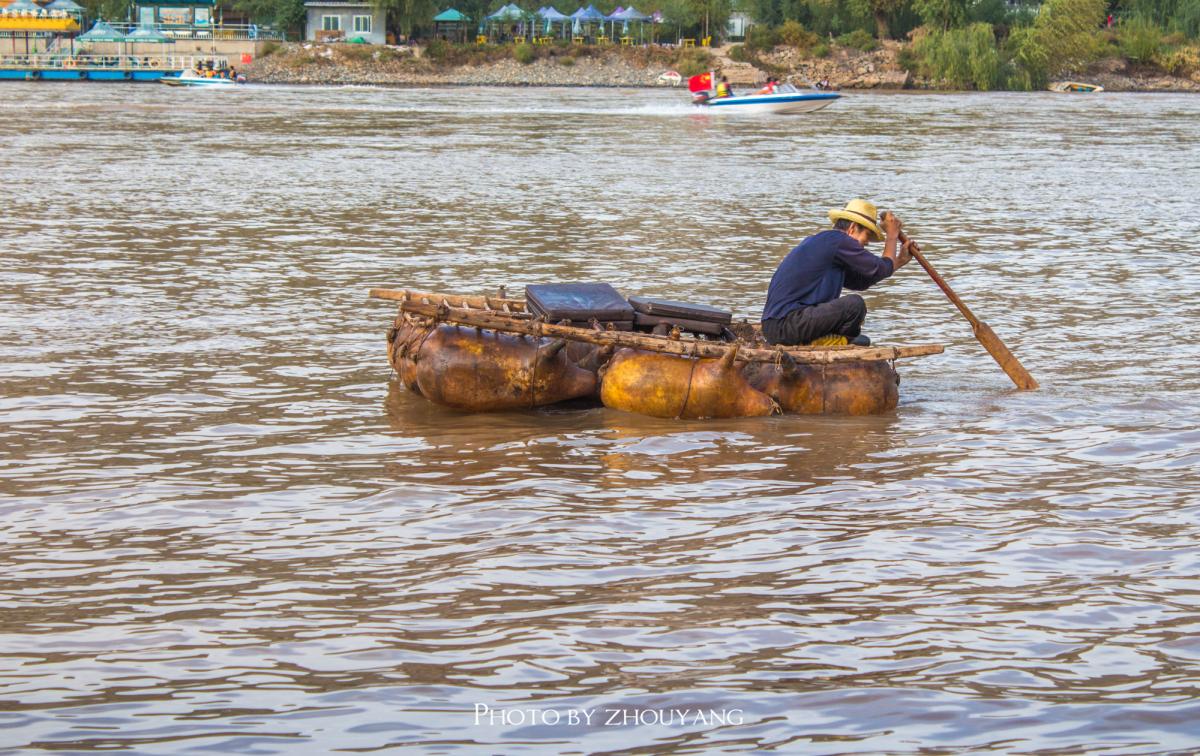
(649, 312)
(579, 303)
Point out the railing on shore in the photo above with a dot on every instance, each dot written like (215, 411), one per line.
(219, 32)
(66, 61)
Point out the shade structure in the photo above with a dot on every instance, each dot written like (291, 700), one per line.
(451, 16)
(23, 5)
(629, 14)
(626, 15)
(66, 6)
(551, 16)
(589, 14)
(101, 31)
(453, 21)
(509, 14)
(148, 34)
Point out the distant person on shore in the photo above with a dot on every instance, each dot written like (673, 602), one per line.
(723, 88)
(804, 301)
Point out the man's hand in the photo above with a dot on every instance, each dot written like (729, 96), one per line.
(891, 229)
(891, 224)
(906, 250)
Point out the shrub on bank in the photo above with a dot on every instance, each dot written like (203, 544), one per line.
(964, 58)
(761, 38)
(858, 40)
(794, 34)
(1064, 37)
(691, 61)
(523, 53)
(1187, 18)
(358, 53)
(1140, 40)
(1179, 61)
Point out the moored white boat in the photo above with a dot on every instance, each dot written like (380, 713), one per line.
(787, 99)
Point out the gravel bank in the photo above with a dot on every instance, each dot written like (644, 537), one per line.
(846, 69)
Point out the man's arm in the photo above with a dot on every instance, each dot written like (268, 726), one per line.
(891, 230)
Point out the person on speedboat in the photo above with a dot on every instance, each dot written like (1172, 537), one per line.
(769, 87)
(723, 88)
(804, 300)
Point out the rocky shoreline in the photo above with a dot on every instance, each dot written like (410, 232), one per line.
(340, 64)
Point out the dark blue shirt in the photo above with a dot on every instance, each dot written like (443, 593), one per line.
(817, 268)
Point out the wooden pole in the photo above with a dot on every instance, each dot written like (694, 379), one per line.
(499, 304)
(983, 332)
(663, 344)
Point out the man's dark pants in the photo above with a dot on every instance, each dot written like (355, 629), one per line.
(843, 316)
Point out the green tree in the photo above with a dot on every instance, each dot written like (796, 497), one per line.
(286, 15)
(109, 10)
(966, 57)
(942, 14)
(834, 17)
(881, 12)
(712, 15)
(407, 16)
(1064, 36)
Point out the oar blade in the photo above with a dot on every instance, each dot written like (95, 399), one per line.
(1004, 358)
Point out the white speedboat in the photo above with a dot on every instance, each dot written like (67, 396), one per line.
(785, 99)
(190, 78)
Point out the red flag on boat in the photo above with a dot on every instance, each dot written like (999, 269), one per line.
(700, 82)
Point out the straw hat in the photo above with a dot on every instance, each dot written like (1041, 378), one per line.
(861, 212)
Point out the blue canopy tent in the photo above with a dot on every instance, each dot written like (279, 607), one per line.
(630, 14)
(551, 16)
(588, 15)
(508, 15)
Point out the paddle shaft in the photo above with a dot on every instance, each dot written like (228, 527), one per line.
(984, 334)
(941, 282)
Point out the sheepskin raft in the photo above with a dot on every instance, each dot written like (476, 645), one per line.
(481, 354)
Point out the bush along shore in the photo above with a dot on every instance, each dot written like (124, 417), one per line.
(860, 62)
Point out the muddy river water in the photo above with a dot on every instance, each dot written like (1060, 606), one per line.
(224, 528)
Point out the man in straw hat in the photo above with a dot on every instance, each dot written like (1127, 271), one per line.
(804, 301)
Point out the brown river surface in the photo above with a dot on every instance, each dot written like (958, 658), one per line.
(224, 528)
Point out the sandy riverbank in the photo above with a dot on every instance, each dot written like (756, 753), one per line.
(845, 68)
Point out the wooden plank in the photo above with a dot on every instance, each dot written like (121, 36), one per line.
(664, 344)
(453, 300)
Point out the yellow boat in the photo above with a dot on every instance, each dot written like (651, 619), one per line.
(1074, 86)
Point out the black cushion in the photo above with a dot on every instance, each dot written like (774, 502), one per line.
(578, 302)
(668, 309)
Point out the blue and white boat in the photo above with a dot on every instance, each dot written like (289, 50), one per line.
(191, 78)
(785, 99)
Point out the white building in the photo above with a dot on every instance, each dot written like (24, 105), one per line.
(336, 21)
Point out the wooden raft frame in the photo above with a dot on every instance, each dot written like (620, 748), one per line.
(480, 312)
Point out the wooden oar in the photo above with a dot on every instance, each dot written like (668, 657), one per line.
(983, 332)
